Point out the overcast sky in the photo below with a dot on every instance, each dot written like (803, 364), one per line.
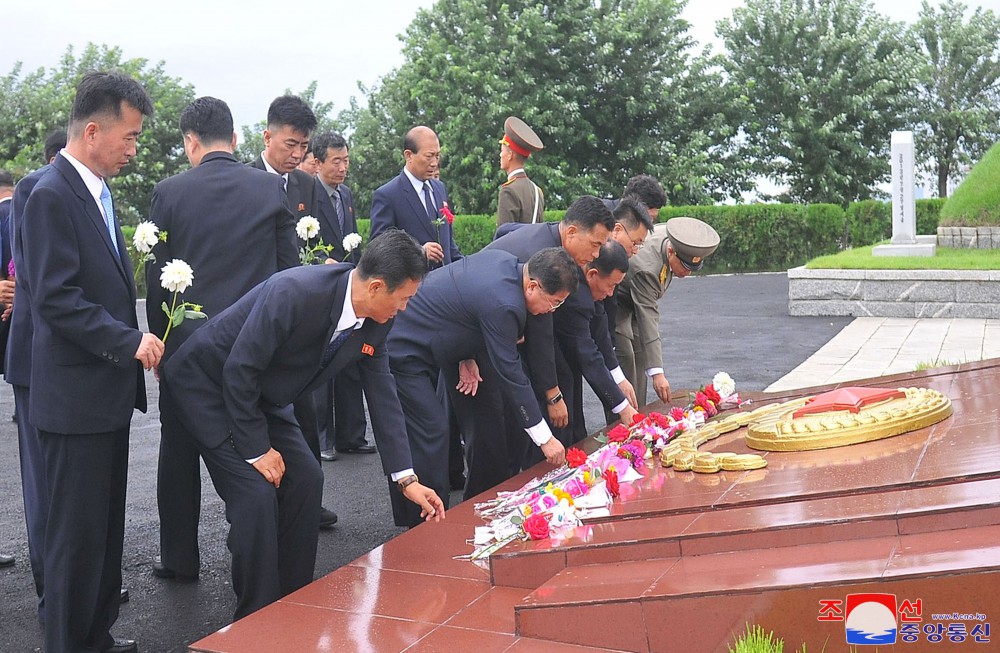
(250, 51)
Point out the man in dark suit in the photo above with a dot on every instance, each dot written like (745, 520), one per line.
(218, 199)
(342, 399)
(235, 378)
(85, 381)
(17, 372)
(584, 346)
(414, 200)
(290, 124)
(473, 309)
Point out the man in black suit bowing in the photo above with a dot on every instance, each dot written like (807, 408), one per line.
(218, 199)
(290, 124)
(342, 398)
(87, 359)
(235, 378)
(414, 200)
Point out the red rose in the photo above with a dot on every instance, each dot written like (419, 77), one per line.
(536, 526)
(611, 480)
(638, 417)
(618, 434)
(575, 457)
(713, 394)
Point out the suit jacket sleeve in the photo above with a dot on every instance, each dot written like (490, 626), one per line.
(573, 329)
(383, 216)
(500, 328)
(600, 330)
(539, 346)
(646, 292)
(385, 411)
(284, 232)
(267, 327)
(52, 254)
(456, 253)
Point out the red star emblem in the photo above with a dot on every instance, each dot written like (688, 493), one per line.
(852, 399)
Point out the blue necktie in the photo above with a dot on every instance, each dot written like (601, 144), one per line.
(428, 202)
(331, 349)
(109, 214)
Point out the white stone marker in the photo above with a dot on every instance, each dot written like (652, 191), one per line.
(904, 209)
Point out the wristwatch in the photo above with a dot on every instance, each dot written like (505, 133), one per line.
(406, 481)
(556, 398)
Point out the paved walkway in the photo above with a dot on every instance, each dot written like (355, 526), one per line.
(878, 346)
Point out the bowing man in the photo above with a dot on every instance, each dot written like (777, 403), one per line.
(475, 308)
(235, 380)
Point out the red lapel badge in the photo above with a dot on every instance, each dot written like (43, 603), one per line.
(302, 207)
(368, 349)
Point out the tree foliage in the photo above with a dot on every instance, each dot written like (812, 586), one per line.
(826, 82)
(958, 87)
(612, 88)
(34, 104)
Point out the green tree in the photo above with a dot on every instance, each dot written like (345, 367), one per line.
(36, 103)
(959, 88)
(252, 143)
(612, 88)
(825, 82)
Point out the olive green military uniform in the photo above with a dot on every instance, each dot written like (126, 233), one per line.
(520, 201)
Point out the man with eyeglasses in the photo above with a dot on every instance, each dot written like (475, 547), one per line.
(473, 310)
(676, 248)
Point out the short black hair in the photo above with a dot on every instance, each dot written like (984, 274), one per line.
(587, 212)
(54, 142)
(326, 141)
(554, 270)
(395, 257)
(631, 212)
(209, 119)
(100, 94)
(292, 111)
(648, 189)
(6, 179)
(613, 257)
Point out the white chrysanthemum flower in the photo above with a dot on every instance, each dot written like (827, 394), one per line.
(724, 384)
(307, 227)
(177, 276)
(145, 237)
(351, 241)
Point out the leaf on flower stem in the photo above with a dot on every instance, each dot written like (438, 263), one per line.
(166, 309)
(178, 316)
(194, 315)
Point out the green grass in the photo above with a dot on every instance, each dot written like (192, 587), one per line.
(947, 258)
(976, 201)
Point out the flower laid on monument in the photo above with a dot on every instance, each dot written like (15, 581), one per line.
(176, 277)
(306, 229)
(351, 242)
(587, 484)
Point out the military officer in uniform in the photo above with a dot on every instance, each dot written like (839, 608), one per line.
(521, 200)
(676, 248)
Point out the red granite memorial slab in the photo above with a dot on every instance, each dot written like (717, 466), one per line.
(686, 561)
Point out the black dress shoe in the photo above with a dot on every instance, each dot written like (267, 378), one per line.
(123, 596)
(123, 646)
(327, 518)
(364, 448)
(328, 456)
(161, 571)
(6, 561)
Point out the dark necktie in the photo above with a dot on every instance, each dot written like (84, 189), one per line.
(428, 202)
(338, 205)
(334, 345)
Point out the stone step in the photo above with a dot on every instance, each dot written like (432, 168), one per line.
(700, 602)
(888, 514)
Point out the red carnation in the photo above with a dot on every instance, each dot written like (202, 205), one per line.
(446, 212)
(536, 525)
(638, 417)
(575, 457)
(713, 394)
(659, 419)
(677, 414)
(619, 433)
(611, 480)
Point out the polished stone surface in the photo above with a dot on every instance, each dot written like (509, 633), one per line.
(687, 560)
